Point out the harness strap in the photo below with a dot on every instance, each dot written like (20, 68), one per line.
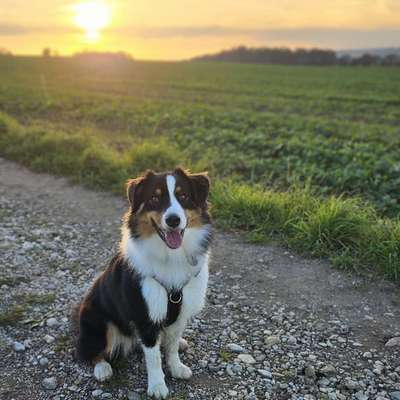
(175, 298)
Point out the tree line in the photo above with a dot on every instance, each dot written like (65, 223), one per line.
(283, 55)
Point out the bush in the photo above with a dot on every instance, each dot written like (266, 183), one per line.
(159, 155)
(100, 168)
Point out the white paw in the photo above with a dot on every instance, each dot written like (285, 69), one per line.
(158, 390)
(102, 371)
(181, 371)
(183, 344)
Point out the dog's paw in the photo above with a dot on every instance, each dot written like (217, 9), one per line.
(158, 390)
(102, 371)
(181, 371)
(183, 345)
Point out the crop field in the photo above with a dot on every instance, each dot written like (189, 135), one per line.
(307, 156)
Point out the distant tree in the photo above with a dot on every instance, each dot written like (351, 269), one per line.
(345, 59)
(46, 52)
(283, 55)
(5, 52)
(391, 60)
(366, 60)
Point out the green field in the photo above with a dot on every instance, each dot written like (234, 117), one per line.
(308, 156)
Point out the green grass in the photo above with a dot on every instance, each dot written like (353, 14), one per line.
(15, 313)
(304, 156)
(12, 280)
(225, 355)
(12, 315)
(37, 299)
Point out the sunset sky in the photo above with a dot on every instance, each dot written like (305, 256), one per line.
(172, 29)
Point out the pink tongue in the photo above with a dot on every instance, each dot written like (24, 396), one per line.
(173, 239)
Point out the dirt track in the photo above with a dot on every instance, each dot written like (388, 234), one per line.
(294, 317)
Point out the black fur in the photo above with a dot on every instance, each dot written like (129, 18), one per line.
(116, 297)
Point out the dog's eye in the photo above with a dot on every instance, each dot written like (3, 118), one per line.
(182, 196)
(154, 200)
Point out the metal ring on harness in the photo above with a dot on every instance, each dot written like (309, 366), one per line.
(174, 300)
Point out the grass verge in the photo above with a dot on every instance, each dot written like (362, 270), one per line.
(346, 231)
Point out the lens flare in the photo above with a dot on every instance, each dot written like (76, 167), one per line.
(92, 16)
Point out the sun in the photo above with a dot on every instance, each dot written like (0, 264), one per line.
(92, 16)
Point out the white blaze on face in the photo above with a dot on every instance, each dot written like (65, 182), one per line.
(175, 207)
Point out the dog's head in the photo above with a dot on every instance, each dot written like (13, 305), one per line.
(167, 205)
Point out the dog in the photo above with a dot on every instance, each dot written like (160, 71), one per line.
(156, 282)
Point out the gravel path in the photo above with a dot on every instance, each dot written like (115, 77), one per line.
(276, 326)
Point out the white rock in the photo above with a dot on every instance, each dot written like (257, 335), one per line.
(394, 395)
(49, 383)
(309, 372)
(69, 253)
(43, 361)
(361, 396)
(233, 336)
(272, 340)
(28, 245)
(235, 348)
(49, 339)
(291, 340)
(97, 393)
(352, 385)
(203, 363)
(395, 341)
(246, 358)
(265, 373)
(52, 322)
(328, 370)
(18, 347)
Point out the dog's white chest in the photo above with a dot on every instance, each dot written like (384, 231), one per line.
(194, 294)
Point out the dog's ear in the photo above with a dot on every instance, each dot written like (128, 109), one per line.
(200, 184)
(181, 172)
(201, 188)
(131, 186)
(134, 189)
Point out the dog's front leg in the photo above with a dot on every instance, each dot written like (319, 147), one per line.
(155, 376)
(172, 340)
(156, 299)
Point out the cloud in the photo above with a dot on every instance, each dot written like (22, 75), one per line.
(319, 36)
(335, 38)
(19, 30)
(11, 29)
(393, 5)
(181, 31)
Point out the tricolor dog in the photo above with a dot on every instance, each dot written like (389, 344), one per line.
(156, 282)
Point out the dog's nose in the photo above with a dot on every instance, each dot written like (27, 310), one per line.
(173, 220)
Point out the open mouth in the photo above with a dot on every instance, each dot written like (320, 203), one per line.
(172, 238)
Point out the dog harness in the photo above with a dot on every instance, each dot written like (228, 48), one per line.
(175, 298)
